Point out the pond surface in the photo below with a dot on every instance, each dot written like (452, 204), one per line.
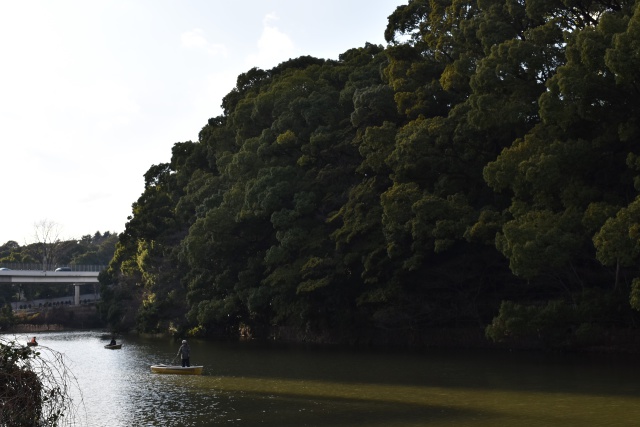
(251, 384)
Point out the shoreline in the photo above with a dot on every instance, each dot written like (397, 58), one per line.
(623, 342)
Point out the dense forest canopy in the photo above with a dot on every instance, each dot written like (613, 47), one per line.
(482, 170)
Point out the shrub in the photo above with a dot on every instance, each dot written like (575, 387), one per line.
(33, 390)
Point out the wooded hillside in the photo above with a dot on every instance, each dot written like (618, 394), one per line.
(480, 171)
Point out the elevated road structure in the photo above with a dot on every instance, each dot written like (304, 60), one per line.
(76, 278)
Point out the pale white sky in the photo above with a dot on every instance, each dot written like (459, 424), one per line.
(92, 93)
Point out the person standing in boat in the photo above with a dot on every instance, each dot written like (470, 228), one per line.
(185, 352)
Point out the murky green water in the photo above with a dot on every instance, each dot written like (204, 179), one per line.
(247, 384)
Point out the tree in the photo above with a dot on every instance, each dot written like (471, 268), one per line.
(7, 317)
(477, 159)
(47, 243)
(573, 164)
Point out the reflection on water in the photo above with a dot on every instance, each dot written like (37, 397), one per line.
(249, 384)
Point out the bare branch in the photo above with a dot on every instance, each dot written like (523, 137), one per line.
(35, 387)
(47, 240)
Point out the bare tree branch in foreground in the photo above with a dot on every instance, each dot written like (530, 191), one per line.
(35, 387)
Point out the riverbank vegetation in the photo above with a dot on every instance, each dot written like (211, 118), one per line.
(482, 171)
(34, 390)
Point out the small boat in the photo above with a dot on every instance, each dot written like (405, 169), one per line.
(113, 346)
(178, 370)
(32, 343)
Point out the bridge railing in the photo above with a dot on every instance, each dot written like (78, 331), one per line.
(38, 267)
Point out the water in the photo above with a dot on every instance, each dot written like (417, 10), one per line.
(250, 384)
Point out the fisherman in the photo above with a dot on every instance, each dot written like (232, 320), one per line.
(184, 352)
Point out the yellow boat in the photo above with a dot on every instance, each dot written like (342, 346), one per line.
(177, 370)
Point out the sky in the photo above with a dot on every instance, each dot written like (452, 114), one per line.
(93, 93)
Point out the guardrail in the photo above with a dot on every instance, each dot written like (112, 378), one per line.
(55, 302)
(38, 267)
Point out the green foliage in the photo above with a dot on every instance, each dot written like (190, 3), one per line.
(528, 322)
(88, 250)
(557, 323)
(539, 241)
(618, 241)
(7, 318)
(487, 154)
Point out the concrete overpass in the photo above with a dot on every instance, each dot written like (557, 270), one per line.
(76, 278)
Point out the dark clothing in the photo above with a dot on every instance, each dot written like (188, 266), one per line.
(185, 353)
(113, 342)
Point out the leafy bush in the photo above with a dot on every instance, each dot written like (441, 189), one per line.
(550, 325)
(583, 321)
(6, 316)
